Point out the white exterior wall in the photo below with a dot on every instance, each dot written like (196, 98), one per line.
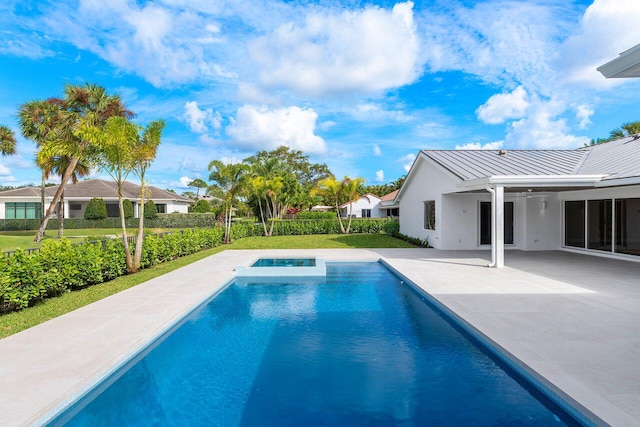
(174, 206)
(355, 208)
(427, 182)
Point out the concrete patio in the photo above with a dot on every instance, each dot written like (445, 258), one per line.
(573, 319)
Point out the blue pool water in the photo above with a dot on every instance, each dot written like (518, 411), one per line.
(285, 262)
(361, 349)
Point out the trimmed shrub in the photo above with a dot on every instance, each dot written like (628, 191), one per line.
(201, 206)
(392, 227)
(150, 210)
(127, 206)
(96, 209)
(316, 215)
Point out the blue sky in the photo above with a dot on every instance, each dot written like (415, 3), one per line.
(358, 85)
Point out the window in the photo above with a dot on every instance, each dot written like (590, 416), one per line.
(430, 215)
(21, 210)
(75, 207)
(599, 223)
(574, 223)
(627, 231)
(366, 213)
(485, 223)
(161, 207)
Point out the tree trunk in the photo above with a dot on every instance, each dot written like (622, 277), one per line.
(264, 225)
(125, 240)
(56, 199)
(340, 219)
(139, 241)
(42, 194)
(273, 203)
(350, 216)
(61, 217)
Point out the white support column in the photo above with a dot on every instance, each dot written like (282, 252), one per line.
(498, 226)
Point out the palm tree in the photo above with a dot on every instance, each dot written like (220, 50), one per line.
(7, 141)
(144, 153)
(57, 166)
(230, 180)
(332, 191)
(350, 189)
(36, 119)
(57, 134)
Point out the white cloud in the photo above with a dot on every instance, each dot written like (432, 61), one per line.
(543, 128)
(376, 150)
(407, 161)
(504, 106)
(372, 112)
(369, 50)
(477, 146)
(4, 171)
(380, 175)
(607, 28)
(200, 121)
(584, 113)
(184, 181)
(265, 129)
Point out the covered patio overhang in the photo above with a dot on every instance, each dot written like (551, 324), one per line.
(498, 184)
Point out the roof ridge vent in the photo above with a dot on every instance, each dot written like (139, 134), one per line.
(502, 153)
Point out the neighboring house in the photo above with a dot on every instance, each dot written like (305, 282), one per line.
(371, 206)
(25, 202)
(388, 205)
(365, 207)
(625, 65)
(585, 200)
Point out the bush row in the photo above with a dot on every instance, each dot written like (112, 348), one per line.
(60, 266)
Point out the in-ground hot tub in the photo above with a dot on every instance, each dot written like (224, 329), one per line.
(291, 270)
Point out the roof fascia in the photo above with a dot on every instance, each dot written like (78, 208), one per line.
(633, 180)
(620, 66)
(422, 155)
(532, 181)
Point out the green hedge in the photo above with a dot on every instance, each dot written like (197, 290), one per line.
(316, 215)
(60, 266)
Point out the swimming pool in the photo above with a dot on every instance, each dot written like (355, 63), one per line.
(362, 349)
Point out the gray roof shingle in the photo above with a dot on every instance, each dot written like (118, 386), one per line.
(95, 188)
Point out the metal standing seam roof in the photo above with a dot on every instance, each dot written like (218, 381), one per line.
(95, 188)
(616, 159)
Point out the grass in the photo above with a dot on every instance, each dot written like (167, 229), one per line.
(10, 240)
(321, 241)
(12, 323)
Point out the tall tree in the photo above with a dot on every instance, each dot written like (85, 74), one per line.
(144, 153)
(87, 105)
(37, 120)
(350, 189)
(197, 184)
(7, 141)
(57, 166)
(332, 191)
(126, 148)
(229, 178)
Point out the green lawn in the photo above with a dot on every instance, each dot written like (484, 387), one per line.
(12, 323)
(10, 240)
(318, 241)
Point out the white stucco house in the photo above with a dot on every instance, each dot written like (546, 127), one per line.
(585, 200)
(25, 203)
(371, 206)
